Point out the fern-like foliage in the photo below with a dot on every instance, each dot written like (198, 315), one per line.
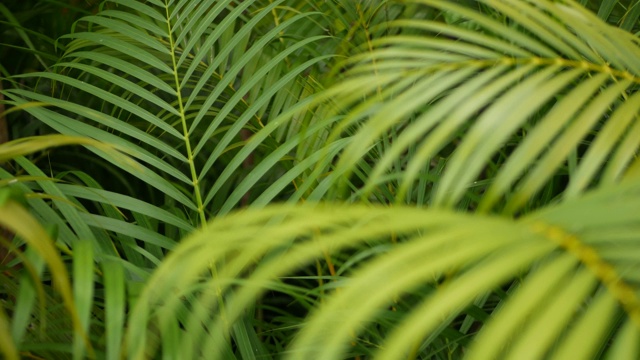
(460, 179)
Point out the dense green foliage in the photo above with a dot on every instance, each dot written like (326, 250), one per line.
(326, 179)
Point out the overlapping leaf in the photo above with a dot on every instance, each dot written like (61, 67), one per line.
(563, 254)
(497, 106)
(535, 81)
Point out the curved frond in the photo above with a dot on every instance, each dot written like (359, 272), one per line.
(562, 255)
(459, 179)
(167, 83)
(534, 80)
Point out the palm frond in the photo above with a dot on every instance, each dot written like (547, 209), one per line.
(562, 253)
(158, 81)
(521, 113)
(546, 72)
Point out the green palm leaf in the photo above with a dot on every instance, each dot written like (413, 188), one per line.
(193, 79)
(526, 109)
(559, 252)
(494, 84)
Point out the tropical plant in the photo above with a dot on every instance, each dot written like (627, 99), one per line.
(416, 179)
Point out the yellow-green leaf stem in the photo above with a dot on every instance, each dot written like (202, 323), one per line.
(185, 129)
